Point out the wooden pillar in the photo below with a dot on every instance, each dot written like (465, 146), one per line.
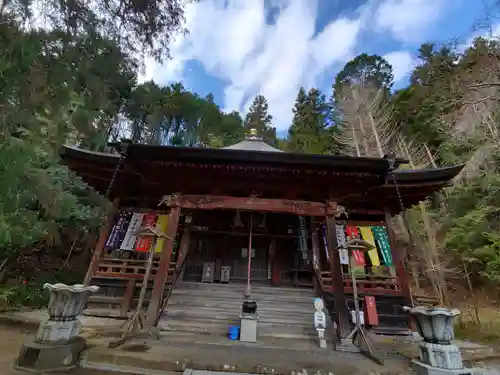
(341, 308)
(127, 298)
(397, 259)
(184, 247)
(315, 259)
(161, 276)
(103, 236)
(273, 262)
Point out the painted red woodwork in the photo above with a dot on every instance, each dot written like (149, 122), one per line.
(184, 247)
(162, 274)
(336, 277)
(207, 202)
(370, 309)
(103, 235)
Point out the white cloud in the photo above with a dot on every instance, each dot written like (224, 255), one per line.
(408, 20)
(402, 64)
(234, 43)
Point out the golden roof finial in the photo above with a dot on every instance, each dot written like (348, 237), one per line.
(253, 131)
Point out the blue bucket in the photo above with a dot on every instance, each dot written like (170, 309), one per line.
(234, 332)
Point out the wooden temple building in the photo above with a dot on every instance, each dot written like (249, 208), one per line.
(299, 209)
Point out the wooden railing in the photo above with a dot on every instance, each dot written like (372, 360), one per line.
(376, 285)
(127, 269)
(373, 285)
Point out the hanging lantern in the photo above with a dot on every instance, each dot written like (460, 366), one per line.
(237, 220)
(263, 223)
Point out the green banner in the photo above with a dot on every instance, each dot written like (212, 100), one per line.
(382, 240)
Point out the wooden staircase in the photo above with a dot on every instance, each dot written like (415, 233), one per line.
(210, 308)
(120, 281)
(388, 296)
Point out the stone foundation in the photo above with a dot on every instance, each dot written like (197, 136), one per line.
(41, 358)
(424, 369)
(442, 356)
(54, 332)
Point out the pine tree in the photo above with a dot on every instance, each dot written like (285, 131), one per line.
(258, 118)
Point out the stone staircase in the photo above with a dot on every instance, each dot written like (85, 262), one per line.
(211, 308)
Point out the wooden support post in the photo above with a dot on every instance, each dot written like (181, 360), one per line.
(314, 254)
(315, 244)
(127, 298)
(397, 259)
(341, 307)
(183, 248)
(161, 276)
(103, 236)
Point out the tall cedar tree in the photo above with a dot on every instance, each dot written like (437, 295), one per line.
(310, 132)
(258, 118)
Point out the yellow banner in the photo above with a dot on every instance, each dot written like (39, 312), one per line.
(366, 233)
(161, 227)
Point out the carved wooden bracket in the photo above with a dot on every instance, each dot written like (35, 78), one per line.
(172, 200)
(205, 202)
(333, 209)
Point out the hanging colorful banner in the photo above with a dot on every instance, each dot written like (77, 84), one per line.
(353, 233)
(118, 232)
(161, 227)
(342, 241)
(302, 238)
(108, 245)
(367, 235)
(144, 243)
(130, 236)
(382, 240)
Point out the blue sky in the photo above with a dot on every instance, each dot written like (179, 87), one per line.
(237, 49)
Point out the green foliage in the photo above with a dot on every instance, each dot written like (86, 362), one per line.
(258, 118)
(311, 131)
(368, 69)
(30, 293)
(473, 233)
(140, 26)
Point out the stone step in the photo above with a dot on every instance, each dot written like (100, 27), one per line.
(241, 287)
(221, 328)
(186, 294)
(285, 305)
(262, 311)
(231, 316)
(211, 308)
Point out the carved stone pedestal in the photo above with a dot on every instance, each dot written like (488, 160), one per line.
(57, 345)
(50, 331)
(442, 356)
(438, 356)
(425, 369)
(43, 358)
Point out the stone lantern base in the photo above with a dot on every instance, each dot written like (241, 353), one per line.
(439, 359)
(57, 344)
(442, 356)
(425, 369)
(40, 358)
